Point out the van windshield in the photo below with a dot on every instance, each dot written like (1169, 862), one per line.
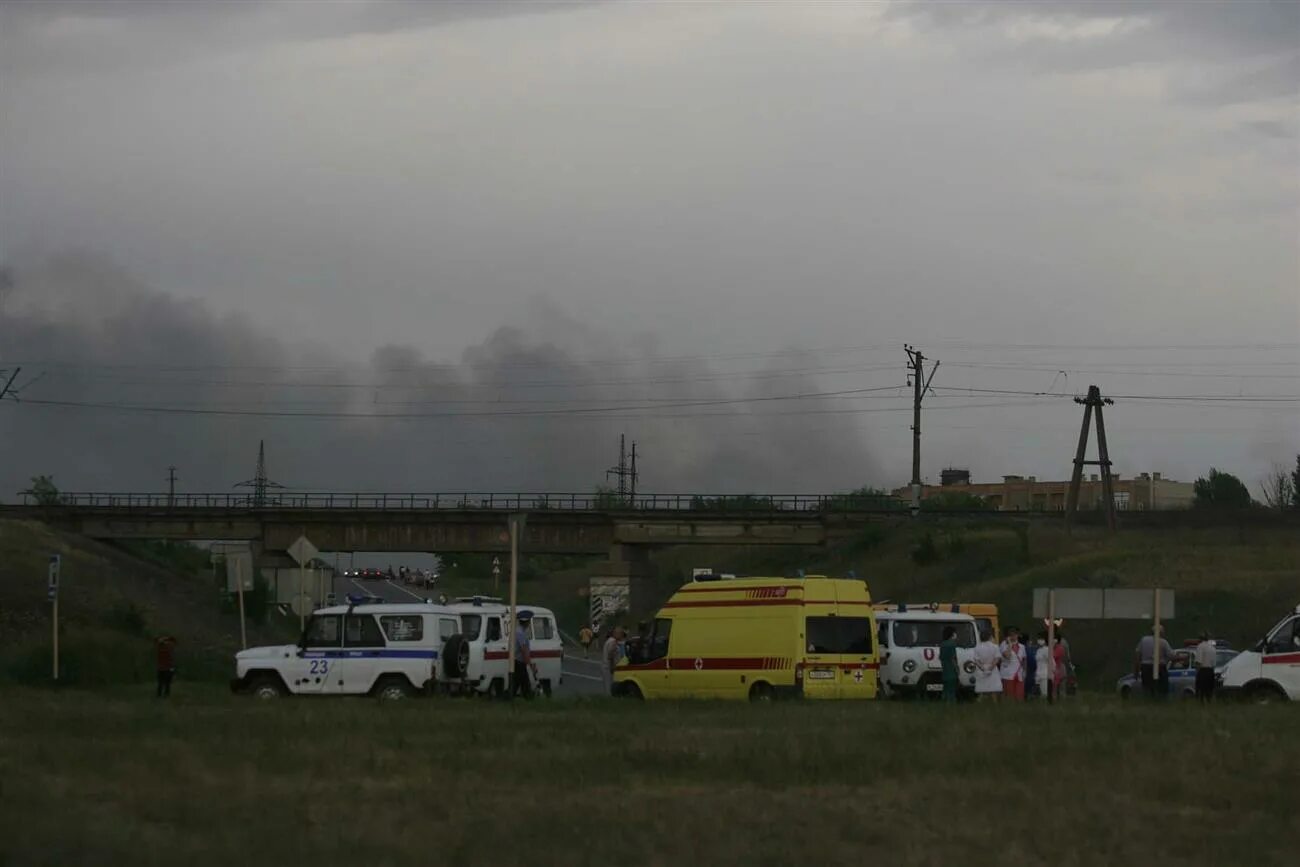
(929, 633)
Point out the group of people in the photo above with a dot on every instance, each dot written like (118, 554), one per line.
(1009, 669)
(1155, 675)
(612, 649)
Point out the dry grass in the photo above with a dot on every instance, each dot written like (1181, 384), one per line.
(117, 778)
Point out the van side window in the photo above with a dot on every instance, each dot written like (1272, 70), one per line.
(882, 633)
(361, 630)
(494, 629)
(447, 627)
(658, 645)
(402, 627)
(471, 625)
(839, 635)
(543, 629)
(323, 631)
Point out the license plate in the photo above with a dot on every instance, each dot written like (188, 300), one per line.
(934, 687)
(821, 674)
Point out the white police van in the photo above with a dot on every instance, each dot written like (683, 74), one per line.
(1271, 671)
(476, 658)
(387, 650)
(908, 643)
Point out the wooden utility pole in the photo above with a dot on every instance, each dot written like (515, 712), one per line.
(921, 385)
(1092, 403)
(171, 486)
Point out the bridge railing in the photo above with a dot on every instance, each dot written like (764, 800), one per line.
(565, 502)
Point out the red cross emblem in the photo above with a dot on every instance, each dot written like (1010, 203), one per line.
(699, 663)
(857, 675)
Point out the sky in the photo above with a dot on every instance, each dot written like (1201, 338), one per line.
(465, 246)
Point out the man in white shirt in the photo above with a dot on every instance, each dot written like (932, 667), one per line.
(1155, 679)
(1013, 666)
(988, 657)
(1206, 654)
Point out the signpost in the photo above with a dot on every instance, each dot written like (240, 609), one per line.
(52, 577)
(517, 522)
(1111, 604)
(239, 584)
(303, 552)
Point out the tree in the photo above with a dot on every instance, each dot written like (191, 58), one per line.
(1278, 488)
(955, 501)
(1295, 485)
(43, 491)
(1221, 491)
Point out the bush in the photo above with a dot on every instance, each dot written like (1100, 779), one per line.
(925, 551)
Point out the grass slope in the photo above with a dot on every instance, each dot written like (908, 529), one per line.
(111, 605)
(211, 779)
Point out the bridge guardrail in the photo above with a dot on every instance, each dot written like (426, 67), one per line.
(568, 502)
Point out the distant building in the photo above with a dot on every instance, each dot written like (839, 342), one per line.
(1147, 491)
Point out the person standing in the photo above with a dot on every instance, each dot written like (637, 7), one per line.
(165, 646)
(1155, 682)
(1043, 668)
(1060, 667)
(988, 679)
(584, 638)
(610, 656)
(525, 668)
(948, 663)
(1206, 653)
(1013, 666)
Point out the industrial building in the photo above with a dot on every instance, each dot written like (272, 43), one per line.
(1147, 491)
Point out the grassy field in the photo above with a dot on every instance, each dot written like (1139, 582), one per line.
(115, 777)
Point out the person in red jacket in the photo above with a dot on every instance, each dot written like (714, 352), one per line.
(166, 647)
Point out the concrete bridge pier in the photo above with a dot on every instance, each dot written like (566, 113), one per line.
(620, 581)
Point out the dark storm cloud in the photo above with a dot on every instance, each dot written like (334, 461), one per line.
(118, 342)
(1245, 51)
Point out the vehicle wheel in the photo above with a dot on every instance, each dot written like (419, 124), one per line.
(761, 692)
(393, 689)
(1266, 694)
(455, 656)
(630, 690)
(266, 687)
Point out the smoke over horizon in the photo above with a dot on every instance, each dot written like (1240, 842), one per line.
(125, 380)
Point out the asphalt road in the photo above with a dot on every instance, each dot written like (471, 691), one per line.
(581, 676)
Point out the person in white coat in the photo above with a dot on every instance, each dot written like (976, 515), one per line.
(1043, 667)
(988, 660)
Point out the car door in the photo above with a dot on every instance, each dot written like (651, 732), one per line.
(311, 671)
(496, 652)
(1281, 657)
(354, 671)
(857, 657)
(821, 672)
(653, 665)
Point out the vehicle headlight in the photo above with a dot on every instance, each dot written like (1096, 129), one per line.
(969, 667)
(909, 666)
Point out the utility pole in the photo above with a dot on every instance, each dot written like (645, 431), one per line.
(626, 475)
(171, 486)
(4, 389)
(1092, 403)
(921, 385)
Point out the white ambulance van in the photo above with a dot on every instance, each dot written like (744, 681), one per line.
(1270, 672)
(389, 651)
(475, 658)
(908, 643)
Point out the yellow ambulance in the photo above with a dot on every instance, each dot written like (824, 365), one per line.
(757, 638)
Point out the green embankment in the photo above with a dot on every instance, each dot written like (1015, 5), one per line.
(112, 603)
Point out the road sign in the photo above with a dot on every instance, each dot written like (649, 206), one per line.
(52, 576)
(301, 604)
(303, 551)
(1109, 604)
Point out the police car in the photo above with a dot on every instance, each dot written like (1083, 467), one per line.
(908, 643)
(1270, 672)
(1182, 672)
(389, 651)
(476, 654)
